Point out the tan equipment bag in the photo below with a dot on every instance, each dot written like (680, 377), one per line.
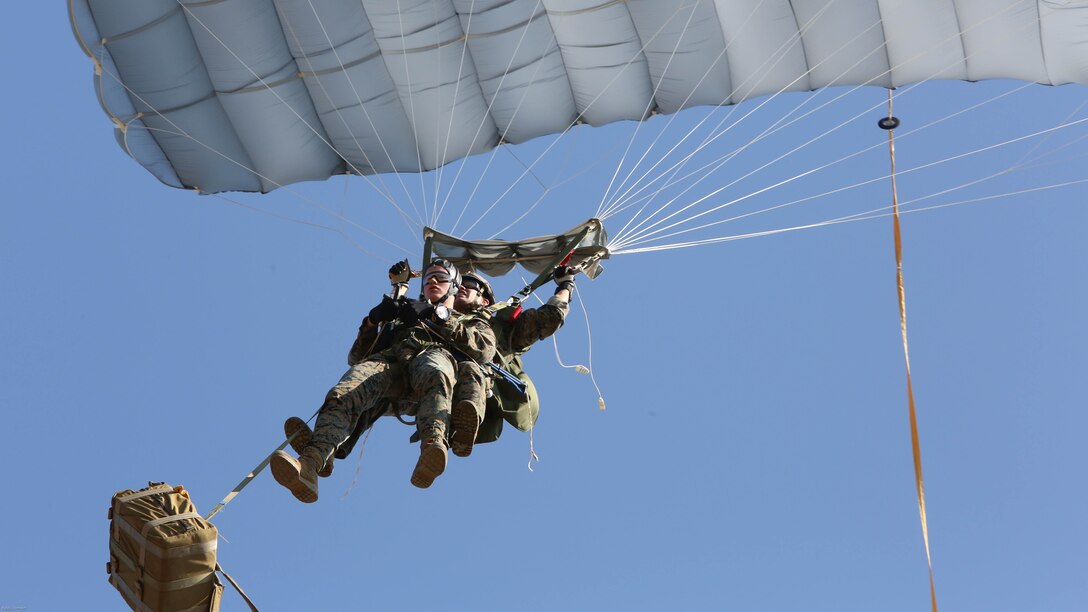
(162, 552)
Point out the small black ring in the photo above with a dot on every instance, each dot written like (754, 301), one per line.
(888, 123)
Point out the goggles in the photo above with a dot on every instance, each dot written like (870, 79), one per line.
(438, 277)
(471, 284)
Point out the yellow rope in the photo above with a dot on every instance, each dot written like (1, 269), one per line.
(915, 445)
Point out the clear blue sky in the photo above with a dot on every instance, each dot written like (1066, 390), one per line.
(755, 451)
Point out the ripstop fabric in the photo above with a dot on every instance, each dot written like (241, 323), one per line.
(250, 95)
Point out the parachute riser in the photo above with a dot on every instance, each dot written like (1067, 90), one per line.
(561, 259)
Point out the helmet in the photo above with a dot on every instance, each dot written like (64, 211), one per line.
(455, 276)
(485, 287)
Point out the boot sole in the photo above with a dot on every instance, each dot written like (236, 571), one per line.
(431, 464)
(465, 425)
(295, 426)
(285, 470)
(300, 441)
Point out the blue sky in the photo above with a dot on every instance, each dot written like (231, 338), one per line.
(755, 450)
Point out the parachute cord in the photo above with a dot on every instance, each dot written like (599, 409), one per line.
(914, 439)
(358, 463)
(339, 232)
(589, 340)
(533, 457)
(581, 369)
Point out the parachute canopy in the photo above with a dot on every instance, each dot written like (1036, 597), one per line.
(250, 95)
(537, 255)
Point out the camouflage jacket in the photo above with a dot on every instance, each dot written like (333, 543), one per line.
(470, 333)
(517, 335)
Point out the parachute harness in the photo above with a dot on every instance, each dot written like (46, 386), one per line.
(889, 123)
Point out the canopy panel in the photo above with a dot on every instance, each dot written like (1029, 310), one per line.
(537, 255)
(250, 95)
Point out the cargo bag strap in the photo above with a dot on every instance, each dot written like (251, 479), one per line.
(249, 602)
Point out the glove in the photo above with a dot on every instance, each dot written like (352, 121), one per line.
(384, 312)
(400, 272)
(411, 311)
(564, 278)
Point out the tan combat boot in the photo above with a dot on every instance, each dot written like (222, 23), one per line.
(432, 457)
(300, 441)
(466, 422)
(298, 475)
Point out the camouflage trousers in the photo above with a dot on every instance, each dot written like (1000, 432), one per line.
(428, 377)
(471, 387)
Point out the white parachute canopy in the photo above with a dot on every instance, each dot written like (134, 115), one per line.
(251, 95)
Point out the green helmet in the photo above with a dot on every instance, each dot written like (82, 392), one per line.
(484, 287)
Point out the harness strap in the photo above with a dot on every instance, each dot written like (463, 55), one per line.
(564, 255)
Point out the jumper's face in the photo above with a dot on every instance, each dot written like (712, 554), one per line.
(467, 298)
(436, 282)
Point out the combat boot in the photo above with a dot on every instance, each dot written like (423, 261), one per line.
(466, 422)
(302, 439)
(432, 457)
(298, 475)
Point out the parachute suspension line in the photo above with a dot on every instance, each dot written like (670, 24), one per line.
(887, 72)
(625, 245)
(437, 46)
(1023, 159)
(636, 233)
(638, 53)
(642, 226)
(620, 234)
(260, 80)
(909, 88)
(711, 135)
(440, 171)
(412, 106)
(628, 198)
(862, 216)
(539, 199)
(863, 183)
(334, 230)
(495, 150)
(714, 134)
(99, 69)
(645, 235)
(181, 132)
(889, 124)
(649, 105)
(366, 113)
(649, 231)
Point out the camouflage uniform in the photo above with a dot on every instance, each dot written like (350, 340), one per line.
(418, 361)
(514, 336)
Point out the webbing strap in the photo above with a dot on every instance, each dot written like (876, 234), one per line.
(563, 255)
(154, 490)
(252, 606)
(245, 481)
(148, 526)
(916, 447)
(251, 475)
